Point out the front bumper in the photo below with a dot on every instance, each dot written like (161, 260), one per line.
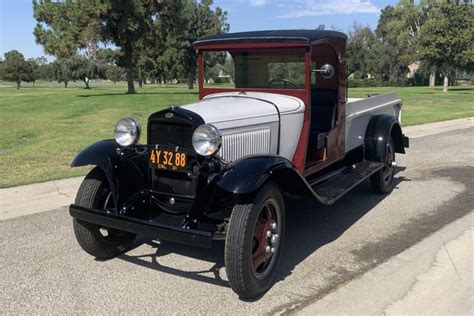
(138, 226)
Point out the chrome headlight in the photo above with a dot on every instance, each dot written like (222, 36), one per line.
(127, 132)
(207, 140)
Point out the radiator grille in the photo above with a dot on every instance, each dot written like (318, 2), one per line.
(243, 143)
(170, 134)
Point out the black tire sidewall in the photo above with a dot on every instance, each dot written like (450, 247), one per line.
(247, 215)
(377, 180)
(88, 234)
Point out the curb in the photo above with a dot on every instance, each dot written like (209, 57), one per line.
(37, 197)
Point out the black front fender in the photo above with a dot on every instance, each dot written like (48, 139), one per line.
(241, 180)
(126, 174)
(97, 153)
(247, 175)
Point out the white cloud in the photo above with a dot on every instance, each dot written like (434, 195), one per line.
(305, 8)
(258, 3)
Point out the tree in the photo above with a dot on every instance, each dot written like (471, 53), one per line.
(446, 38)
(34, 73)
(364, 52)
(108, 59)
(126, 22)
(66, 27)
(15, 68)
(85, 69)
(43, 68)
(69, 27)
(61, 71)
(114, 73)
(180, 24)
(394, 61)
(398, 30)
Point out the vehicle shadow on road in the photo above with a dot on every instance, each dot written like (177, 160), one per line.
(162, 249)
(310, 226)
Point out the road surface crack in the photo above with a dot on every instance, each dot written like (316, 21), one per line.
(59, 192)
(452, 261)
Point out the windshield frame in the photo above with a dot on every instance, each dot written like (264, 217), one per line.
(299, 93)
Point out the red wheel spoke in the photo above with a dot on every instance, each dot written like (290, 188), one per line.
(262, 256)
(259, 229)
(269, 210)
(258, 258)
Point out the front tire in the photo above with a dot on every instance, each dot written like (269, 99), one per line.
(382, 180)
(100, 242)
(254, 242)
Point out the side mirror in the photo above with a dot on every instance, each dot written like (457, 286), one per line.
(327, 71)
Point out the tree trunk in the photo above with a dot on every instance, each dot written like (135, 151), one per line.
(129, 65)
(190, 81)
(140, 79)
(432, 79)
(65, 84)
(86, 81)
(445, 83)
(18, 84)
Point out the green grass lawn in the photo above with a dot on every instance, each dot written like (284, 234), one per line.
(44, 127)
(425, 105)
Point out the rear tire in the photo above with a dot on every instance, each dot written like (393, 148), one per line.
(382, 180)
(254, 242)
(100, 242)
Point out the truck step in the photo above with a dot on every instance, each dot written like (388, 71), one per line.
(334, 188)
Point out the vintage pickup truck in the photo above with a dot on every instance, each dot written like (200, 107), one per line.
(221, 167)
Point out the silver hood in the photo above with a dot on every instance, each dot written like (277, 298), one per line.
(234, 109)
(253, 122)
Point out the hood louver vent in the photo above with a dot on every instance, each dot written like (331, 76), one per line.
(237, 144)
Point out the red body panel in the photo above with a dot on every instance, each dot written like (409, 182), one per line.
(336, 141)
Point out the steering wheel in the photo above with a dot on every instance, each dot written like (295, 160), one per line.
(285, 82)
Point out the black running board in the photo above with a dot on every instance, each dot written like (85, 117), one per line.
(334, 188)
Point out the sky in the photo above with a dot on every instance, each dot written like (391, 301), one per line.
(17, 22)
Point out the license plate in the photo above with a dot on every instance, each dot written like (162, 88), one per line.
(168, 159)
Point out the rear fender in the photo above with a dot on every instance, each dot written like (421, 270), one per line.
(377, 135)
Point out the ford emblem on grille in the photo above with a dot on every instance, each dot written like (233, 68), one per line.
(169, 115)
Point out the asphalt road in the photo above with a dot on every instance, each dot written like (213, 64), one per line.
(43, 270)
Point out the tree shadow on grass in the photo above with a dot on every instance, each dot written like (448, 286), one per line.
(460, 89)
(309, 226)
(137, 94)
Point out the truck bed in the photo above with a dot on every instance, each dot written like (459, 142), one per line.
(359, 111)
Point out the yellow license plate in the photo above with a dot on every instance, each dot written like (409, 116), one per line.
(168, 159)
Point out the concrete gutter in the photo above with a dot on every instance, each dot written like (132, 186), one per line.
(52, 195)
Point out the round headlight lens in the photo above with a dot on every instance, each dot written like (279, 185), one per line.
(127, 132)
(207, 140)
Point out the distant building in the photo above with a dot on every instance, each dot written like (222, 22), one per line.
(413, 69)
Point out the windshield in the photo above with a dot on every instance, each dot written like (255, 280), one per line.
(257, 68)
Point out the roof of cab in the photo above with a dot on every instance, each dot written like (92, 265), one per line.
(276, 36)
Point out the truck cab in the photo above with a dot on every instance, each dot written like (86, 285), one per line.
(279, 125)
